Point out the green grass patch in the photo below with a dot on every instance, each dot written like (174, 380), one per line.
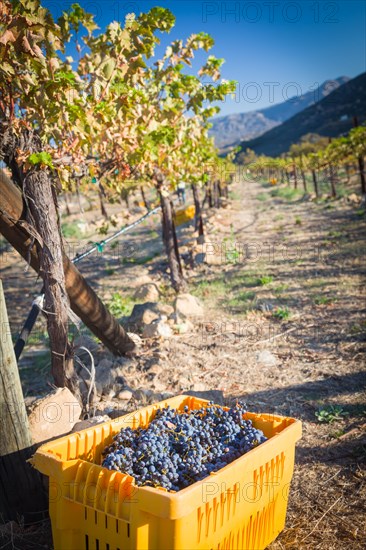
(262, 197)
(242, 297)
(286, 193)
(282, 313)
(120, 306)
(109, 270)
(40, 368)
(318, 283)
(210, 289)
(72, 230)
(38, 337)
(265, 280)
(323, 300)
(139, 261)
(233, 195)
(360, 212)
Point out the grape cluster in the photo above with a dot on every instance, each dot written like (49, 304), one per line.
(179, 448)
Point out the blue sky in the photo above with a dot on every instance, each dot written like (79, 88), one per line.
(275, 49)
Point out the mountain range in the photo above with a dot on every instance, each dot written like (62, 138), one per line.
(231, 129)
(331, 116)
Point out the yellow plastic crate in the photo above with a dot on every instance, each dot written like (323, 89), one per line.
(242, 506)
(183, 215)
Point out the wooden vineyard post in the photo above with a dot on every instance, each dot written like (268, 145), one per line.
(315, 181)
(295, 176)
(198, 222)
(169, 235)
(332, 177)
(361, 166)
(20, 486)
(170, 242)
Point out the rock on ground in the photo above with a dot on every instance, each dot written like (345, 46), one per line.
(353, 198)
(53, 415)
(142, 314)
(135, 338)
(266, 358)
(145, 314)
(157, 329)
(147, 293)
(188, 306)
(125, 395)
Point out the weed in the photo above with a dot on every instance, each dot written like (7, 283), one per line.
(330, 414)
(232, 255)
(120, 306)
(103, 229)
(323, 300)
(282, 313)
(278, 218)
(109, 270)
(265, 280)
(298, 220)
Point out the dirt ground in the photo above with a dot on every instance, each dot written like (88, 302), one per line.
(284, 331)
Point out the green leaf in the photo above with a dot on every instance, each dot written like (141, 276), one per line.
(43, 159)
(108, 68)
